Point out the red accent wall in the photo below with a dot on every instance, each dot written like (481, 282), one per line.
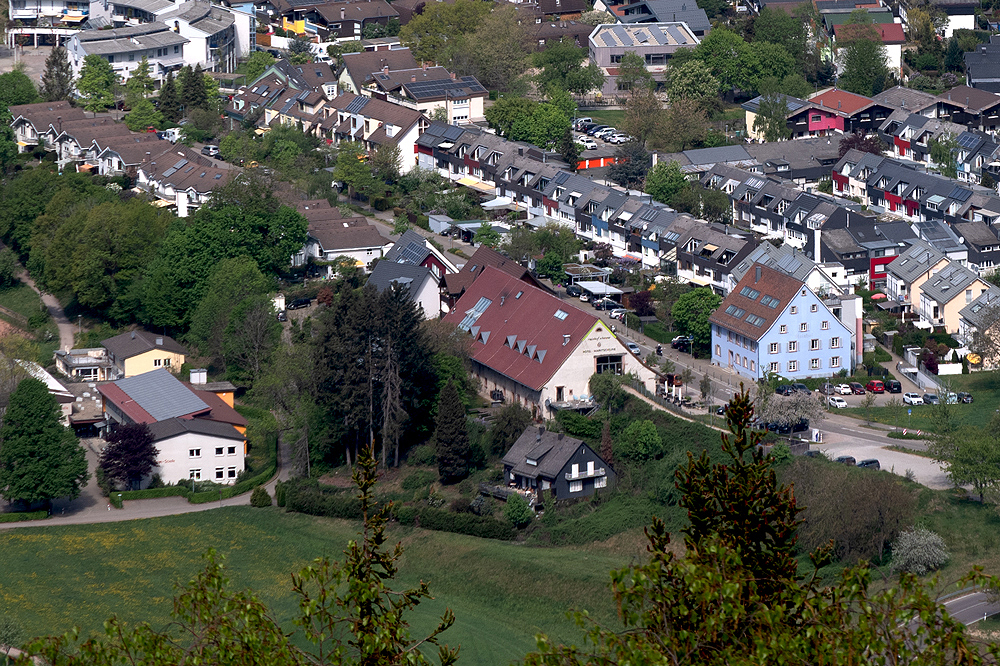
(840, 180)
(876, 269)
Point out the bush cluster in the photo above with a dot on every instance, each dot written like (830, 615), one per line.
(419, 479)
(260, 497)
(485, 527)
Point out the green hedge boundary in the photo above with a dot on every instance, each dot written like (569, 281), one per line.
(22, 516)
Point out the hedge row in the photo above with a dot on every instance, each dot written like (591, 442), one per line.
(307, 498)
(485, 527)
(21, 516)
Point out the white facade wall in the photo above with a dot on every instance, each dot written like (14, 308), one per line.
(429, 298)
(175, 461)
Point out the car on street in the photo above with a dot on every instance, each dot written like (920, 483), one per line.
(784, 389)
(802, 425)
(870, 463)
(780, 428)
(965, 398)
(606, 304)
(875, 386)
(847, 460)
(912, 399)
(827, 389)
(893, 386)
(720, 410)
(856, 388)
(595, 129)
(618, 313)
(299, 303)
(574, 290)
(634, 348)
(801, 388)
(843, 389)
(618, 138)
(836, 402)
(680, 340)
(210, 150)
(931, 399)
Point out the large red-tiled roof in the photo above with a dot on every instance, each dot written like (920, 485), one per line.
(772, 283)
(841, 101)
(891, 33)
(519, 334)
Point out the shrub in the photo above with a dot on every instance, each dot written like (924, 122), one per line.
(461, 505)
(422, 455)
(102, 481)
(918, 551)
(260, 497)
(155, 482)
(485, 527)
(21, 516)
(639, 442)
(419, 479)
(279, 493)
(517, 510)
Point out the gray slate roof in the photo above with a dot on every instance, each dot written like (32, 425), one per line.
(915, 260)
(982, 309)
(550, 450)
(138, 342)
(162, 395)
(949, 282)
(411, 248)
(172, 427)
(786, 259)
(389, 273)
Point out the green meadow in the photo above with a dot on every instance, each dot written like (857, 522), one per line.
(52, 578)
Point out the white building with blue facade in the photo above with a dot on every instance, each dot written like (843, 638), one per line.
(773, 323)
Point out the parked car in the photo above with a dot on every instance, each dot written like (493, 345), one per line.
(605, 133)
(580, 122)
(870, 463)
(584, 296)
(780, 428)
(618, 313)
(606, 304)
(931, 399)
(721, 410)
(802, 425)
(587, 143)
(912, 399)
(856, 388)
(815, 453)
(965, 398)
(634, 348)
(844, 389)
(836, 402)
(952, 398)
(574, 290)
(827, 389)
(784, 389)
(299, 303)
(617, 138)
(684, 347)
(282, 315)
(847, 460)
(680, 340)
(595, 129)
(584, 127)
(875, 386)
(210, 150)
(801, 388)
(893, 386)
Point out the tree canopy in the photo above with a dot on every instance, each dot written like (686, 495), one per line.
(57, 79)
(691, 312)
(130, 454)
(96, 83)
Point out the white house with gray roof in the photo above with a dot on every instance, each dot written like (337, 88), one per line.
(946, 292)
(124, 48)
(982, 315)
(795, 263)
(420, 283)
(654, 42)
(908, 271)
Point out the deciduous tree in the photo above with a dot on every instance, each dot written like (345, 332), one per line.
(866, 144)
(866, 71)
(664, 181)
(130, 454)
(96, 83)
(562, 66)
(631, 164)
(16, 88)
(691, 312)
(139, 84)
(40, 459)
(771, 121)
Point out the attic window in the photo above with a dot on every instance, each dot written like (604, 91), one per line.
(531, 461)
(518, 295)
(754, 320)
(560, 314)
(769, 301)
(750, 293)
(735, 311)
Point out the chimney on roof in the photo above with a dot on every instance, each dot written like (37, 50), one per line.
(453, 76)
(949, 97)
(559, 436)
(756, 274)
(541, 431)
(342, 11)
(838, 104)
(565, 339)
(159, 342)
(413, 78)
(133, 335)
(385, 69)
(424, 65)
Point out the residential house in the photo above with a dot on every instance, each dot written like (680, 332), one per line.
(982, 245)
(542, 460)
(977, 156)
(456, 284)
(889, 34)
(945, 293)
(982, 316)
(416, 250)
(706, 254)
(358, 69)
(909, 135)
(197, 434)
(535, 350)
(822, 279)
(137, 352)
(804, 162)
(30, 121)
(179, 181)
(89, 364)
(45, 22)
(420, 284)
(333, 21)
(961, 14)
(314, 77)
(550, 31)
(211, 34)
(835, 16)
(908, 272)
(431, 90)
(373, 123)
(773, 323)
(658, 11)
(863, 244)
(124, 49)
(910, 100)
(328, 240)
(654, 42)
(982, 66)
(835, 110)
(974, 108)
(81, 140)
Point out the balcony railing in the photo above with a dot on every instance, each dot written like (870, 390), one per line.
(586, 474)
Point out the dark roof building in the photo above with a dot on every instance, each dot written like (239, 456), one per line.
(982, 66)
(456, 283)
(547, 461)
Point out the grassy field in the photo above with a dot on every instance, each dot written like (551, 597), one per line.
(603, 116)
(984, 387)
(502, 593)
(22, 299)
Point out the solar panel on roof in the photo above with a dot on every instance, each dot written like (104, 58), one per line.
(356, 104)
(678, 36)
(755, 183)
(622, 35)
(648, 215)
(789, 263)
(642, 36)
(412, 254)
(472, 315)
(453, 133)
(561, 177)
(960, 194)
(968, 140)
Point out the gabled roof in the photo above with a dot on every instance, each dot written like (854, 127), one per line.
(982, 311)
(336, 237)
(138, 342)
(917, 259)
(909, 99)
(549, 450)
(411, 248)
(751, 300)
(519, 331)
(484, 256)
(976, 233)
(153, 396)
(786, 259)
(948, 283)
(841, 102)
(970, 99)
(388, 274)
(890, 33)
(168, 428)
(360, 66)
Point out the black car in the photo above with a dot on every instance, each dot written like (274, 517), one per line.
(965, 398)
(282, 315)
(299, 303)
(893, 386)
(801, 426)
(801, 388)
(784, 389)
(780, 428)
(721, 410)
(871, 463)
(679, 341)
(847, 460)
(573, 290)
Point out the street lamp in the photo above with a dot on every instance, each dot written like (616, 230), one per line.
(120, 505)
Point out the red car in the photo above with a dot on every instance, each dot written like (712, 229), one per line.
(875, 386)
(857, 388)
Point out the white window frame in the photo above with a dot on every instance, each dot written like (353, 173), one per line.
(576, 486)
(834, 361)
(793, 366)
(194, 453)
(793, 346)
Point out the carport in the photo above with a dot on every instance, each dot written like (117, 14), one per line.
(595, 288)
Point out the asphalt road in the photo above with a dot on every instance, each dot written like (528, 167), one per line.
(973, 607)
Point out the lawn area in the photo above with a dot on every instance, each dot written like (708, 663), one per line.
(502, 593)
(22, 299)
(603, 116)
(984, 387)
